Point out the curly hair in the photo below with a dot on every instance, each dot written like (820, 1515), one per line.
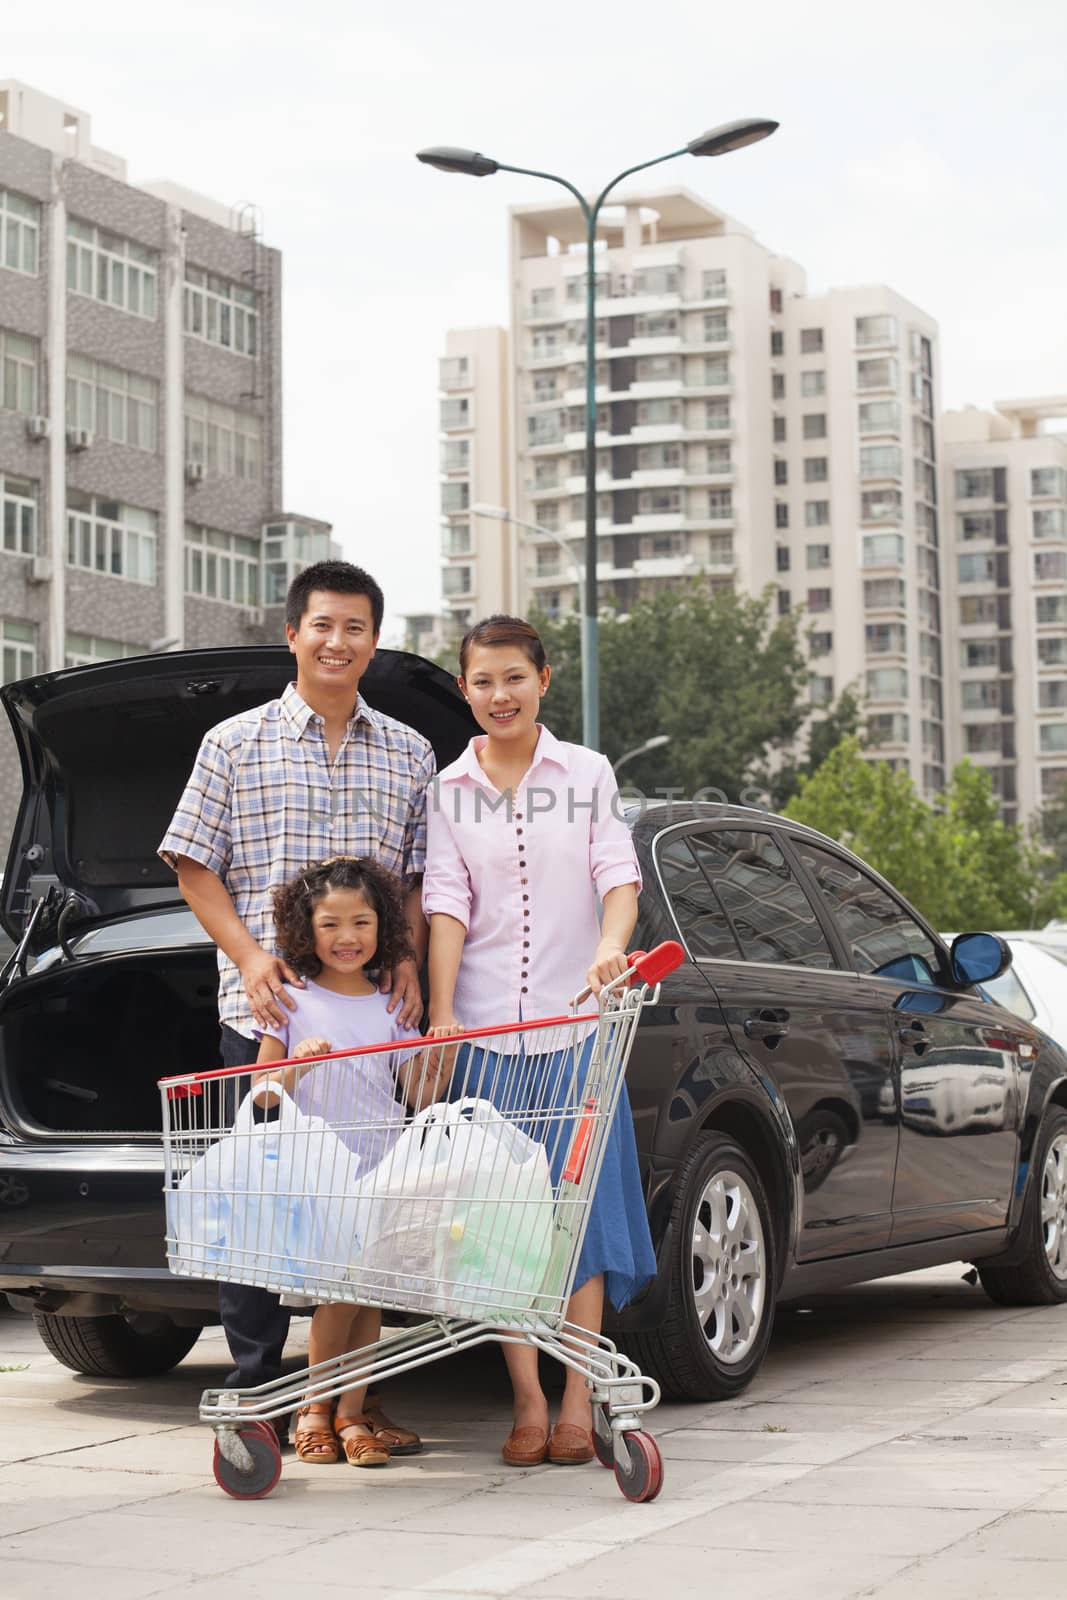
(295, 901)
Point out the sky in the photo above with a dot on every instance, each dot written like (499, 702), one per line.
(922, 144)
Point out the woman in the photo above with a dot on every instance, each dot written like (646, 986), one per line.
(522, 841)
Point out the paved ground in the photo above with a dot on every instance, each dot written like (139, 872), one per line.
(905, 1440)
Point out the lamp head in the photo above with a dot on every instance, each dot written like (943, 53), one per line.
(731, 136)
(450, 158)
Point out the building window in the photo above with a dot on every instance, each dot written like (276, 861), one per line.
(657, 280)
(812, 384)
(84, 650)
(226, 443)
(713, 284)
(974, 483)
(784, 602)
(811, 341)
(776, 302)
(977, 568)
(716, 327)
(454, 372)
(20, 227)
(820, 599)
(1050, 522)
(816, 513)
(455, 455)
(104, 266)
(777, 342)
(883, 594)
(879, 373)
(1052, 652)
(876, 330)
(720, 504)
(779, 430)
(221, 312)
(781, 514)
(816, 469)
(880, 461)
(111, 403)
(1050, 565)
(716, 371)
(456, 581)
(18, 641)
(19, 360)
(777, 386)
(888, 727)
(1046, 483)
(289, 547)
(455, 497)
(879, 416)
(1052, 738)
(922, 437)
(717, 458)
(720, 549)
(106, 536)
(887, 683)
(885, 638)
(1051, 608)
(980, 694)
(881, 505)
(456, 413)
(542, 301)
(658, 502)
(1052, 694)
(977, 608)
(716, 414)
(978, 653)
(222, 566)
(814, 425)
(782, 558)
(820, 644)
(456, 539)
(651, 457)
(781, 472)
(18, 515)
(820, 689)
(975, 525)
(883, 550)
(817, 555)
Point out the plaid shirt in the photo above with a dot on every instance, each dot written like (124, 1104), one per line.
(263, 801)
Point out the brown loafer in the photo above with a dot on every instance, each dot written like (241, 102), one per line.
(401, 1441)
(525, 1447)
(570, 1446)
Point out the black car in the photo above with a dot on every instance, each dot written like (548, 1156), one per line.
(822, 1092)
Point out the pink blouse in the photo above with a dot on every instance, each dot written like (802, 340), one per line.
(523, 876)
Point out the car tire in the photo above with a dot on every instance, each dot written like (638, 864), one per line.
(1038, 1277)
(139, 1346)
(721, 1268)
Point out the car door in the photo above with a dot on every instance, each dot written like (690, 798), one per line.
(958, 1059)
(807, 1029)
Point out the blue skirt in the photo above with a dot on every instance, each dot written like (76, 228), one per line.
(533, 1091)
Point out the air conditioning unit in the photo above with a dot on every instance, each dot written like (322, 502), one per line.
(79, 438)
(195, 472)
(38, 427)
(41, 569)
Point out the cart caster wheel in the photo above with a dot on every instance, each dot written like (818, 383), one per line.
(642, 1479)
(259, 1440)
(603, 1439)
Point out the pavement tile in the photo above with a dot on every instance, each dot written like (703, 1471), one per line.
(642, 1570)
(386, 1559)
(30, 1494)
(54, 1580)
(774, 1524)
(814, 1449)
(956, 1576)
(950, 1484)
(1030, 1536)
(144, 1544)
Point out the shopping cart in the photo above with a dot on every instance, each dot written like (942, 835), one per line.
(470, 1213)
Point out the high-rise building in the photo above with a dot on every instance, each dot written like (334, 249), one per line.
(1006, 587)
(478, 566)
(747, 432)
(140, 411)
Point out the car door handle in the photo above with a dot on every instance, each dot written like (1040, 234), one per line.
(766, 1025)
(915, 1034)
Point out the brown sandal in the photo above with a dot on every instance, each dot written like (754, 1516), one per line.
(361, 1449)
(319, 1446)
(401, 1441)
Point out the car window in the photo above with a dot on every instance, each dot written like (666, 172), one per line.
(883, 939)
(701, 920)
(742, 897)
(1007, 990)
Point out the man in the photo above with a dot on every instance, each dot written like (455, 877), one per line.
(313, 774)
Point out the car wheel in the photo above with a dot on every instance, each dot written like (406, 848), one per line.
(140, 1345)
(1039, 1276)
(822, 1137)
(721, 1293)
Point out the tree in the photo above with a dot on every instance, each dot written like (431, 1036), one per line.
(1050, 827)
(844, 720)
(713, 671)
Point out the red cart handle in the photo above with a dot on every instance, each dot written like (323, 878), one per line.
(647, 967)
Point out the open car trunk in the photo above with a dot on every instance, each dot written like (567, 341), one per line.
(82, 1045)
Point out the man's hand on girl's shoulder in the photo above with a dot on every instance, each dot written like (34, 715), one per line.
(264, 977)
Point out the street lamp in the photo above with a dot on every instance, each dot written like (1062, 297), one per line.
(473, 164)
(657, 741)
(502, 514)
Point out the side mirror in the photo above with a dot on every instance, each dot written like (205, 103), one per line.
(979, 957)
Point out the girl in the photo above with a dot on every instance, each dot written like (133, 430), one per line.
(336, 923)
(522, 841)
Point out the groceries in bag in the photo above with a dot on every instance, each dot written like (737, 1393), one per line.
(274, 1203)
(463, 1217)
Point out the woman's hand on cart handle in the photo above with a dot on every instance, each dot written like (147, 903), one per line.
(264, 977)
(610, 962)
(644, 966)
(443, 1027)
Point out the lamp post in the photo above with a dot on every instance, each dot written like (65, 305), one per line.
(715, 142)
(502, 514)
(657, 741)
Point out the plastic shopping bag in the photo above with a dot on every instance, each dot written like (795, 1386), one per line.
(463, 1216)
(273, 1204)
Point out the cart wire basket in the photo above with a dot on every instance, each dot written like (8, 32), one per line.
(348, 1178)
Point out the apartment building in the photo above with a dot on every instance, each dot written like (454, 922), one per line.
(746, 432)
(140, 412)
(1006, 589)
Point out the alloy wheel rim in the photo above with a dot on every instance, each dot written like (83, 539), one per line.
(729, 1262)
(1054, 1206)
